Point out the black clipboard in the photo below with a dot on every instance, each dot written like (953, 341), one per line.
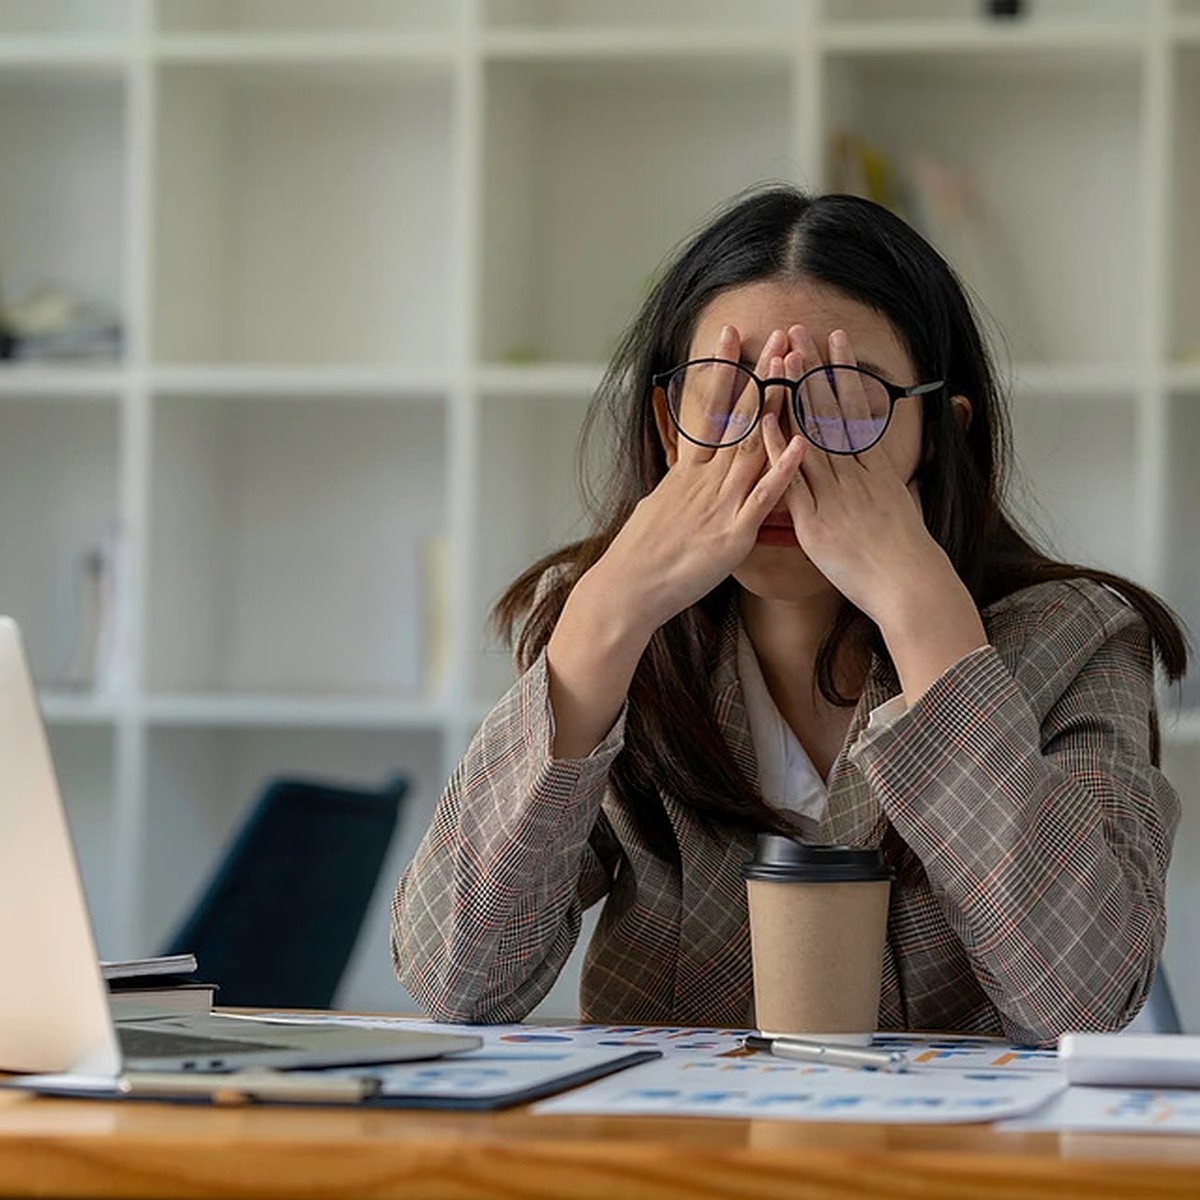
(363, 1087)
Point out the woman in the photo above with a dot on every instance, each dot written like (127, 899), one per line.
(805, 610)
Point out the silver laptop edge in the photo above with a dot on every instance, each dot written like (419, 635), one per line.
(54, 1013)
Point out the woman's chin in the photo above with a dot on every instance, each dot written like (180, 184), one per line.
(781, 573)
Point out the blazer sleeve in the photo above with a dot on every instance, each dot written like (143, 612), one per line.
(1023, 781)
(489, 909)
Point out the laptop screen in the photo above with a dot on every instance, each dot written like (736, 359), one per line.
(54, 1012)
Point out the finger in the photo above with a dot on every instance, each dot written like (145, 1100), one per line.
(862, 403)
(747, 459)
(818, 402)
(702, 402)
(797, 492)
(778, 396)
(766, 494)
(816, 405)
(750, 401)
(748, 405)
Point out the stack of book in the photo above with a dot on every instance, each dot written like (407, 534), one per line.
(138, 987)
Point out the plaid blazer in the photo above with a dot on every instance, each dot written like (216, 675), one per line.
(1016, 800)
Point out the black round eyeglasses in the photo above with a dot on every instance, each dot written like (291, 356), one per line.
(841, 409)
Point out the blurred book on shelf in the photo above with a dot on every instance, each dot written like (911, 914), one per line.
(862, 168)
(99, 662)
(436, 573)
(52, 324)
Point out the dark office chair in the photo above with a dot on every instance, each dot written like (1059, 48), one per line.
(1159, 1014)
(277, 923)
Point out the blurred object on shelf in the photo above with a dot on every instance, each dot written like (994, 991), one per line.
(949, 207)
(1005, 9)
(946, 203)
(53, 325)
(862, 168)
(436, 554)
(100, 660)
(92, 590)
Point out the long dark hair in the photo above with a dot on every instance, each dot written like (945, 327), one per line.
(871, 256)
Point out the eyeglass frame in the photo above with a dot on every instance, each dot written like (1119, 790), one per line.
(894, 392)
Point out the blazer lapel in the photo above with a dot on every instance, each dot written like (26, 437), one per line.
(853, 817)
(714, 963)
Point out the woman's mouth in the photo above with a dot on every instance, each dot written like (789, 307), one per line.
(777, 530)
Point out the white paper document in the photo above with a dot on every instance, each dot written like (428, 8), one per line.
(1114, 1110)
(760, 1086)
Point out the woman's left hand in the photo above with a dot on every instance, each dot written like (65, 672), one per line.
(855, 516)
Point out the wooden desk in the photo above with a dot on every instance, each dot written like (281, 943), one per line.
(89, 1148)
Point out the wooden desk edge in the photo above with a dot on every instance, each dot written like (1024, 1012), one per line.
(103, 1149)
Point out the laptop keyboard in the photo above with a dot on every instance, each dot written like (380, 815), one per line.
(152, 1043)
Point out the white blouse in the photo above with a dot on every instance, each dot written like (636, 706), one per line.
(786, 775)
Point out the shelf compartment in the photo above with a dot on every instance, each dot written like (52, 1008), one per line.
(636, 15)
(84, 763)
(301, 383)
(76, 708)
(958, 126)
(1036, 13)
(287, 546)
(290, 16)
(234, 712)
(65, 18)
(522, 514)
(567, 255)
(62, 207)
(201, 783)
(575, 380)
(1074, 485)
(43, 379)
(303, 214)
(1184, 261)
(1182, 535)
(59, 503)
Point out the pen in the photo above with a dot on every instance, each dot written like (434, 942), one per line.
(244, 1087)
(890, 1061)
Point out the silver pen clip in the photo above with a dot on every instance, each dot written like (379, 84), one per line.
(833, 1054)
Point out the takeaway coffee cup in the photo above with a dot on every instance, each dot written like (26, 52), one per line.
(818, 920)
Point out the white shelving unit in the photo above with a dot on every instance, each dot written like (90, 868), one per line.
(371, 255)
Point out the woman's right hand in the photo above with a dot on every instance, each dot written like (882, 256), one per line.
(697, 526)
(690, 533)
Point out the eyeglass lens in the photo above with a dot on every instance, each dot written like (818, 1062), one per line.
(841, 408)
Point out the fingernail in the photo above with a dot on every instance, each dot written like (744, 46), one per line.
(839, 339)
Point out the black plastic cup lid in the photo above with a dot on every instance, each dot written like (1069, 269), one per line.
(779, 859)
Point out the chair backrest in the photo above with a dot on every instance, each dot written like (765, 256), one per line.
(1159, 1014)
(277, 922)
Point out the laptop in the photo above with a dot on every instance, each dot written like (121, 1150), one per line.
(54, 1010)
